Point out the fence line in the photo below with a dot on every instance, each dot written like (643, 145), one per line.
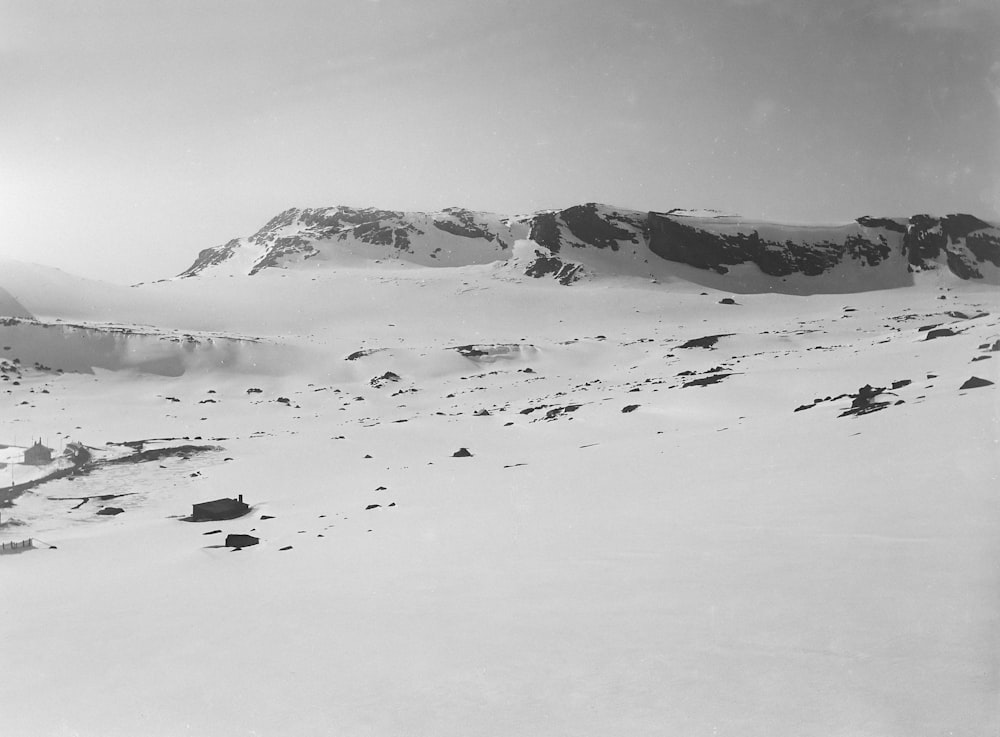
(16, 545)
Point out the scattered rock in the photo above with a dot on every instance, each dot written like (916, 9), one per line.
(939, 333)
(706, 380)
(863, 402)
(110, 511)
(706, 342)
(461, 453)
(372, 506)
(236, 540)
(389, 376)
(975, 383)
(558, 411)
(629, 408)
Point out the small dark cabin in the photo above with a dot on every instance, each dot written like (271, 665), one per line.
(37, 455)
(219, 509)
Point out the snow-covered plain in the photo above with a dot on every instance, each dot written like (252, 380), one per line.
(709, 562)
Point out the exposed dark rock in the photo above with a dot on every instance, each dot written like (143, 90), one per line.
(389, 376)
(630, 408)
(558, 411)
(236, 540)
(985, 247)
(864, 401)
(362, 353)
(461, 453)
(727, 301)
(282, 248)
(706, 380)
(110, 511)
(887, 223)
(471, 351)
(564, 272)
(372, 506)
(676, 241)
(939, 333)
(960, 225)
(975, 382)
(545, 231)
(706, 342)
(587, 225)
(466, 226)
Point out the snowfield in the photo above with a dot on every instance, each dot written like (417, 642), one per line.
(665, 525)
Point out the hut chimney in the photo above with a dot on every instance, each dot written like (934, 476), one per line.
(241, 498)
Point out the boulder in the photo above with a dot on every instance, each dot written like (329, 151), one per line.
(975, 382)
(236, 540)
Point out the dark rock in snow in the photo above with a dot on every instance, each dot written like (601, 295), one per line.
(236, 540)
(727, 301)
(372, 506)
(706, 342)
(554, 413)
(706, 380)
(630, 408)
(863, 402)
(939, 333)
(389, 376)
(461, 453)
(111, 511)
(975, 382)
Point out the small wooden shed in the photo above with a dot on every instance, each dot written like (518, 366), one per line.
(219, 509)
(37, 455)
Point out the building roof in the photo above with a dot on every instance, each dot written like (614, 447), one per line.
(219, 508)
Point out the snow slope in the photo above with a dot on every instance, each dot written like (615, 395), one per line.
(665, 525)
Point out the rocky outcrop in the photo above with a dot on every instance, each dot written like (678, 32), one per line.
(961, 243)
(673, 240)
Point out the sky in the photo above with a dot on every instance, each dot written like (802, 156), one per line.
(135, 133)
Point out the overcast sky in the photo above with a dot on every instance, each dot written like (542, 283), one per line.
(135, 133)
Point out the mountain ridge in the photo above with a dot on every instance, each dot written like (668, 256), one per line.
(595, 239)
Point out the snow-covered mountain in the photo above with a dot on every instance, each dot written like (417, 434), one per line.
(594, 239)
